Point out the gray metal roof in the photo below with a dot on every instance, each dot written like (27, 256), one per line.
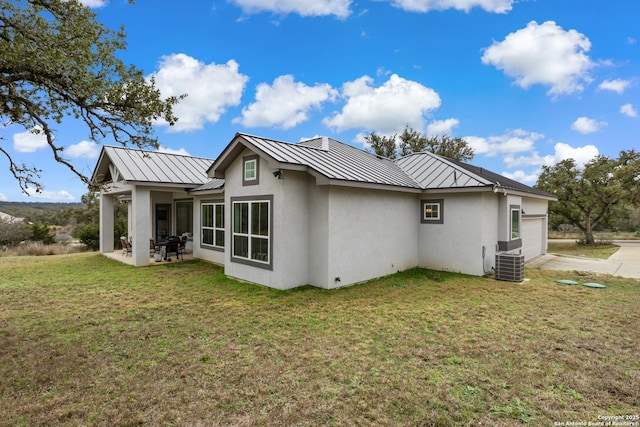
(140, 166)
(423, 171)
(213, 184)
(431, 171)
(340, 162)
(326, 157)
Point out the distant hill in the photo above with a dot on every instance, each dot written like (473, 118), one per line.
(39, 212)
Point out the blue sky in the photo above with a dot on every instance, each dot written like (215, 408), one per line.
(527, 83)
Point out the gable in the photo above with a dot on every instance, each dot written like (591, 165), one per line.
(129, 166)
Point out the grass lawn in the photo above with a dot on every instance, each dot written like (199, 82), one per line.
(88, 341)
(588, 251)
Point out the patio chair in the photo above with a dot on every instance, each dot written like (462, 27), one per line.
(126, 246)
(153, 248)
(182, 246)
(173, 245)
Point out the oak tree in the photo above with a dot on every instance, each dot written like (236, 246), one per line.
(593, 195)
(57, 62)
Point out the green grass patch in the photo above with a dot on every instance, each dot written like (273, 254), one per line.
(603, 251)
(88, 341)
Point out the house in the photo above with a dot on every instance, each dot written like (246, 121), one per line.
(320, 212)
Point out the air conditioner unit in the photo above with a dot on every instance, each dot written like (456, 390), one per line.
(510, 267)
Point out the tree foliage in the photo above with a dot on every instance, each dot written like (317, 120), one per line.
(412, 141)
(384, 146)
(12, 233)
(58, 62)
(596, 194)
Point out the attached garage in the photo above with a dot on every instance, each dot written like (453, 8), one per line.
(534, 236)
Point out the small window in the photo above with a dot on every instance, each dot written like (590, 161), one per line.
(515, 223)
(432, 212)
(250, 170)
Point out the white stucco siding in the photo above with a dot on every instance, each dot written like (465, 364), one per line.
(470, 221)
(291, 224)
(318, 261)
(371, 233)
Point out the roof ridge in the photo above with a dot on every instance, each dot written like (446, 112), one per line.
(156, 152)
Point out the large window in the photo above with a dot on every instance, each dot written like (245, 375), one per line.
(213, 224)
(184, 218)
(515, 223)
(432, 211)
(251, 241)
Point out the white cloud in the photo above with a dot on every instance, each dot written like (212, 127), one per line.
(543, 54)
(495, 6)
(442, 127)
(387, 108)
(58, 196)
(3, 198)
(522, 176)
(94, 3)
(284, 104)
(211, 89)
(585, 125)
(86, 149)
(564, 151)
(515, 141)
(29, 141)
(628, 110)
(617, 85)
(338, 8)
(180, 151)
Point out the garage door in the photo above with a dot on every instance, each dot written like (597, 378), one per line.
(533, 237)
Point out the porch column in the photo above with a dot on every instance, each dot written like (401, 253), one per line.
(141, 229)
(106, 223)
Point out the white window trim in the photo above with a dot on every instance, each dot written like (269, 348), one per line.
(432, 220)
(268, 263)
(214, 204)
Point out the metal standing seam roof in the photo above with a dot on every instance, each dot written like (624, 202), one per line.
(424, 171)
(153, 167)
(431, 171)
(340, 162)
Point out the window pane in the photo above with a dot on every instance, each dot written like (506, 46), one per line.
(184, 218)
(220, 238)
(207, 215)
(219, 216)
(515, 224)
(431, 211)
(241, 218)
(241, 246)
(260, 218)
(250, 169)
(260, 249)
(207, 236)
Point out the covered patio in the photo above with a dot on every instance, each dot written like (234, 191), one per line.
(156, 187)
(117, 255)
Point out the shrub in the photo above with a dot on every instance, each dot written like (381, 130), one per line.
(89, 235)
(43, 233)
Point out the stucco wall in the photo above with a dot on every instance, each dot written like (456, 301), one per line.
(470, 222)
(372, 233)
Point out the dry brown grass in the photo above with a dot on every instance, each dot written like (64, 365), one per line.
(87, 341)
(40, 249)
